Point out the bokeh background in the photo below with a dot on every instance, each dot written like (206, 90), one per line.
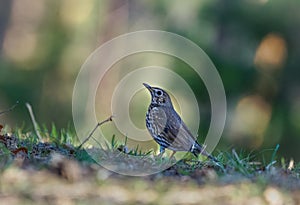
(253, 43)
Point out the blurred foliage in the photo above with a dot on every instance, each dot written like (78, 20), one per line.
(253, 43)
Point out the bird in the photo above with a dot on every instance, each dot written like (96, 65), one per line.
(167, 128)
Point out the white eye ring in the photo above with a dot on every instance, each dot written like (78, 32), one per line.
(159, 93)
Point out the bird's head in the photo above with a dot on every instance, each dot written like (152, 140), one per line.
(159, 96)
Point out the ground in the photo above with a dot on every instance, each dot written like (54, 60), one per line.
(80, 184)
(56, 172)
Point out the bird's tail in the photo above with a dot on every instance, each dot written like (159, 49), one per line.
(199, 149)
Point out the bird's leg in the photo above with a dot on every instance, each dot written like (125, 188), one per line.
(172, 154)
(161, 151)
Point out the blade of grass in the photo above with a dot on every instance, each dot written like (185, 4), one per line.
(273, 161)
(35, 124)
(125, 143)
(113, 142)
(274, 153)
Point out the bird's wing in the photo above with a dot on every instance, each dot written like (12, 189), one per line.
(168, 129)
(177, 133)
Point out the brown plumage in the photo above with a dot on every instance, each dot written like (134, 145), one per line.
(166, 126)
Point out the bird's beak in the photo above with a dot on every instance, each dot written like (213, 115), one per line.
(148, 86)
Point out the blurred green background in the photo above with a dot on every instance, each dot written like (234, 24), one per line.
(253, 43)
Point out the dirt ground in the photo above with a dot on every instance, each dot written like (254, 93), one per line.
(68, 182)
(59, 174)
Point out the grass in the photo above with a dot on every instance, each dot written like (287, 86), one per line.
(22, 153)
(65, 143)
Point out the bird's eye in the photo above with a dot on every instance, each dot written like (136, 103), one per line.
(159, 93)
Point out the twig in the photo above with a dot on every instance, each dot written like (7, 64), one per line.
(10, 109)
(91, 134)
(35, 124)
